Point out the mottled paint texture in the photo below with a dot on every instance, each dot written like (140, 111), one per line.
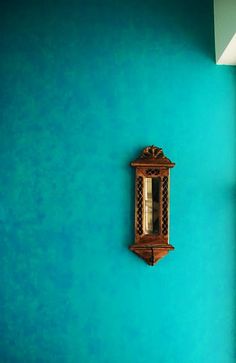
(84, 86)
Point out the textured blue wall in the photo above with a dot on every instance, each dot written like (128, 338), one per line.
(84, 86)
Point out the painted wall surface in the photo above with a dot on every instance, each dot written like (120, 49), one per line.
(84, 86)
(225, 24)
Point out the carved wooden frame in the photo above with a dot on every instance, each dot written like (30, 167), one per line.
(152, 163)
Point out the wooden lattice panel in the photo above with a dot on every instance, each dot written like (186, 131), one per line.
(139, 225)
(165, 205)
(152, 171)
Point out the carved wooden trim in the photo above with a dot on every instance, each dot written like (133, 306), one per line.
(152, 152)
(152, 172)
(152, 156)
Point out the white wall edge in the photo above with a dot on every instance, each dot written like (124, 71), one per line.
(228, 57)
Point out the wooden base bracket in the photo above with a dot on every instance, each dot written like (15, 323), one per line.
(151, 253)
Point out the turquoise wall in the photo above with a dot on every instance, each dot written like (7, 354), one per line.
(84, 86)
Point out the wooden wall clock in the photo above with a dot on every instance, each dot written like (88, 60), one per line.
(152, 195)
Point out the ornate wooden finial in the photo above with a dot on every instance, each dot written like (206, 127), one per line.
(152, 156)
(152, 152)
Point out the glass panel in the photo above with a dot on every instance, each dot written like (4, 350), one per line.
(148, 205)
(151, 205)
